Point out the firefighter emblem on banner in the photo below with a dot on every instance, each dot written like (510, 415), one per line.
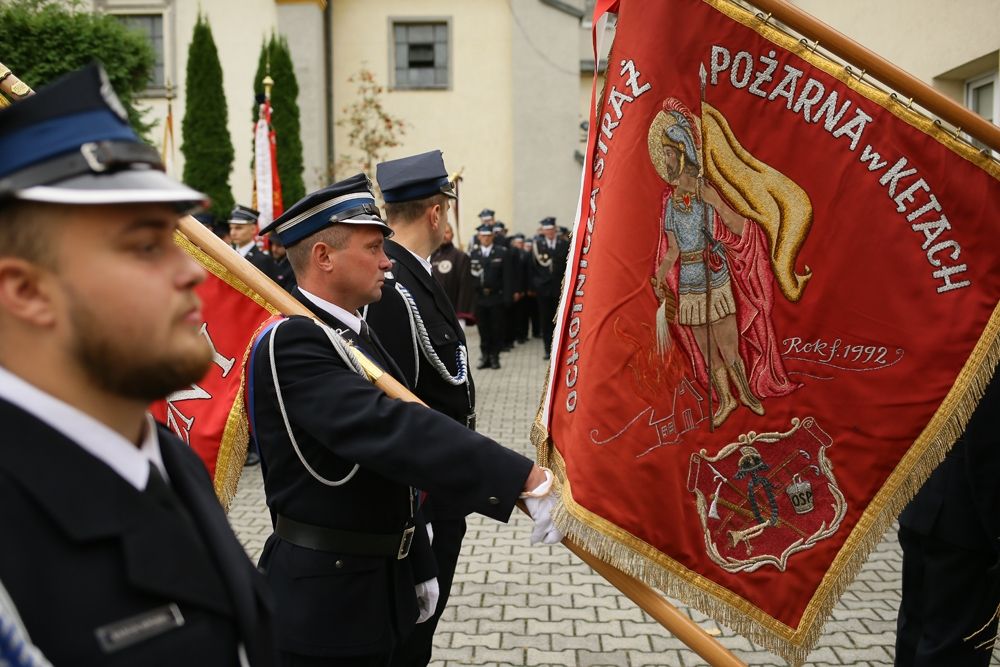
(766, 497)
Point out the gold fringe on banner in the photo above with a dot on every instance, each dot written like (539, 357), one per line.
(236, 436)
(887, 100)
(232, 453)
(643, 561)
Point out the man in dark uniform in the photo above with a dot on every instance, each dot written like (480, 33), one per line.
(345, 466)
(500, 234)
(550, 255)
(418, 326)
(486, 217)
(453, 272)
(494, 290)
(242, 232)
(115, 549)
(530, 299)
(284, 275)
(951, 555)
(519, 313)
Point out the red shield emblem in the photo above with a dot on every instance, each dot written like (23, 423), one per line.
(766, 496)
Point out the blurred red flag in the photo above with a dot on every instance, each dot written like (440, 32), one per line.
(210, 415)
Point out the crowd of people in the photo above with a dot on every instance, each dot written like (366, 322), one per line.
(508, 285)
(122, 553)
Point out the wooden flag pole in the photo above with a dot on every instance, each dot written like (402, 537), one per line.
(879, 68)
(664, 613)
(645, 597)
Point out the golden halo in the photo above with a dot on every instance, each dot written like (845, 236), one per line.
(661, 122)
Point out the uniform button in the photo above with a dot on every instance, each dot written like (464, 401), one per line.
(493, 500)
(339, 564)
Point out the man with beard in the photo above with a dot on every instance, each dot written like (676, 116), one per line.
(116, 550)
(346, 468)
(452, 270)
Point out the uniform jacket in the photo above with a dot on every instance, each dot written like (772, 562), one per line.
(451, 268)
(84, 550)
(391, 320)
(960, 502)
(336, 604)
(546, 280)
(283, 273)
(496, 279)
(264, 262)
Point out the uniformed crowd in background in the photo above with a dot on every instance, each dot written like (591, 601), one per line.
(506, 285)
(516, 282)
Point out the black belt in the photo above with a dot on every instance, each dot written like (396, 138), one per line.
(321, 538)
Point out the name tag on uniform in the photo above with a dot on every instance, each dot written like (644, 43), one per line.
(134, 629)
(496, 260)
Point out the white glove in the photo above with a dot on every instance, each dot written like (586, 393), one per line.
(430, 534)
(427, 598)
(540, 503)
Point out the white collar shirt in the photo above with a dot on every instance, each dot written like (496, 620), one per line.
(244, 250)
(424, 262)
(353, 320)
(97, 439)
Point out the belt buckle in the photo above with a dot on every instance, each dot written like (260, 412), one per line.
(405, 543)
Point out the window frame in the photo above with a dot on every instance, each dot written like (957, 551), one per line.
(431, 21)
(971, 85)
(119, 9)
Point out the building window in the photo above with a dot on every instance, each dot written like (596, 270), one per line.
(420, 54)
(150, 25)
(982, 95)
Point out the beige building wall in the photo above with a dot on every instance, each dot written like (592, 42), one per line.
(938, 41)
(470, 121)
(546, 75)
(238, 28)
(302, 23)
(508, 117)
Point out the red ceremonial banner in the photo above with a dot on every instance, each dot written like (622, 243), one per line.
(210, 415)
(780, 312)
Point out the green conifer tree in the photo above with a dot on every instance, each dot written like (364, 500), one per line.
(207, 148)
(40, 40)
(284, 115)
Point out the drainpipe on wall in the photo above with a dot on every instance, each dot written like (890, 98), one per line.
(328, 63)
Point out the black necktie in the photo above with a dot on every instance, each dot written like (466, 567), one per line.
(366, 332)
(160, 490)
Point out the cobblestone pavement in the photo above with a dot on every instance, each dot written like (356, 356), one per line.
(514, 604)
